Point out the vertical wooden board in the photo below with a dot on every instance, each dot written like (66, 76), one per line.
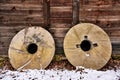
(46, 13)
(75, 12)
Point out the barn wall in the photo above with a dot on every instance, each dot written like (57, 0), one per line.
(61, 19)
(18, 14)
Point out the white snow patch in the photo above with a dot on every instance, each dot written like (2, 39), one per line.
(79, 74)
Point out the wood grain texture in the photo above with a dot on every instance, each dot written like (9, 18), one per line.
(36, 2)
(26, 13)
(75, 10)
(46, 13)
(61, 2)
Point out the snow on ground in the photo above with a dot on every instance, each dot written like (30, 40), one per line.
(79, 74)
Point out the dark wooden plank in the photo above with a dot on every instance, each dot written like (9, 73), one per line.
(59, 50)
(6, 34)
(100, 8)
(22, 1)
(22, 24)
(116, 48)
(3, 50)
(11, 29)
(61, 20)
(100, 18)
(46, 13)
(5, 41)
(61, 8)
(14, 7)
(103, 24)
(61, 25)
(61, 12)
(99, 2)
(59, 42)
(58, 32)
(21, 12)
(60, 2)
(75, 12)
(30, 19)
(99, 13)
(23, 18)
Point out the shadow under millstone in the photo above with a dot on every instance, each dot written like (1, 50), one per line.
(111, 65)
(61, 64)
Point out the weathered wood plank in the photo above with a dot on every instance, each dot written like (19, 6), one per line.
(100, 2)
(58, 32)
(101, 18)
(20, 7)
(59, 50)
(61, 8)
(61, 25)
(3, 50)
(116, 48)
(21, 13)
(30, 19)
(22, 1)
(61, 12)
(61, 20)
(24, 18)
(22, 24)
(46, 13)
(103, 24)
(101, 7)
(59, 42)
(60, 2)
(115, 40)
(5, 34)
(5, 41)
(10, 29)
(99, 13)
(75, 12)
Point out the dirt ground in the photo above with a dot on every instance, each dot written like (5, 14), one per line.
(61, 64)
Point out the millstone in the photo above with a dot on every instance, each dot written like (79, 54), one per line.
(31, 48)
(87, 45)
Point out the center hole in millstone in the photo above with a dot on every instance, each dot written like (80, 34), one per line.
(85, 45)
(32, 48)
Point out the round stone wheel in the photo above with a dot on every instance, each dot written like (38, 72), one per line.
(31, 48)
(87, 45)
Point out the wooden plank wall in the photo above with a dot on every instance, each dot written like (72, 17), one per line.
(104, 13)
(18, 14)
(61, 20)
